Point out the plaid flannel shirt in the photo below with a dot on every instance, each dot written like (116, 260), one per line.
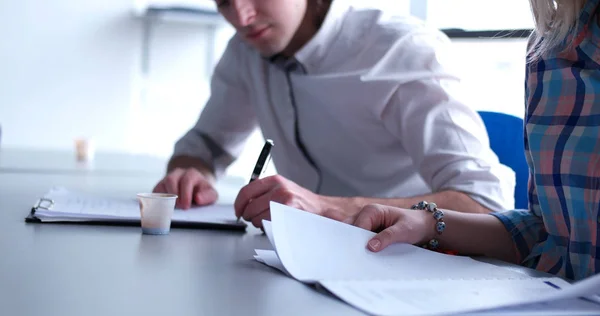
(560, 232)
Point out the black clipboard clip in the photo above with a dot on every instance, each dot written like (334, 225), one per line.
(44, 203)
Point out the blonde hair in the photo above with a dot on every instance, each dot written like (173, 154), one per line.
(554, 20)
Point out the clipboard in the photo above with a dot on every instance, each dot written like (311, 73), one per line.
(45, 205)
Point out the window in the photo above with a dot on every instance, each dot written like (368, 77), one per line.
(491, 64)
(479, 14)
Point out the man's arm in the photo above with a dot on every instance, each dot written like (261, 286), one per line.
(279, 189)
(343, 208)
(225, 123)
(450, 200)
(445, 138)
(217, 138)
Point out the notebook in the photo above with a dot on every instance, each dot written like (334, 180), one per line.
(60, 205)
(402, 279)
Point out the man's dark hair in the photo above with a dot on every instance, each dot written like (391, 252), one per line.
(321, 7)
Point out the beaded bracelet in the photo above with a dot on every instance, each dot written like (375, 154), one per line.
(433, 244)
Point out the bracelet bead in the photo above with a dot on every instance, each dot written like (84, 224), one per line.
(438, 215)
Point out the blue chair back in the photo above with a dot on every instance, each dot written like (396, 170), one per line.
(506, 140)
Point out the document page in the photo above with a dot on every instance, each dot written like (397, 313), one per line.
(314, 248)
(71, 205)
(572, 307)
(426, 297)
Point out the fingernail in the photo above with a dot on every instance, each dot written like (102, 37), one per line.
(374, 244)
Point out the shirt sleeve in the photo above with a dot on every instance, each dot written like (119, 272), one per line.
(525, 227)
(227, 119)
(445, 138)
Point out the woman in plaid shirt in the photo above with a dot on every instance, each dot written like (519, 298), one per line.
(559, 233)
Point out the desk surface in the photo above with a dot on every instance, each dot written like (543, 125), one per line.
(50, 269)
(63, 162)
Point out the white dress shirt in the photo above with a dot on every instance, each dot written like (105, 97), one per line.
(368, 98)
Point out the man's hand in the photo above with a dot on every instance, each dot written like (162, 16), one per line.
(252, 202)
(190, 185)
(394, 225)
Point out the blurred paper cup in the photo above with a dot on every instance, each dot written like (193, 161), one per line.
(84, 150)
(156, 210)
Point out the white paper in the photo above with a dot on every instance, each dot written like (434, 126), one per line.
(570, 307)
(269, 257)
(404, 279)
(417, 297)
(259, 259)
(589, 287)
(314, 248)
(269, 232)
(79, 207)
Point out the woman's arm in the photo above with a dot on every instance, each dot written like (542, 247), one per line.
(468, 234)
(477, 234)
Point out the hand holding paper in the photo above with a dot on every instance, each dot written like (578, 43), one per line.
(402, 278)
(399, 225)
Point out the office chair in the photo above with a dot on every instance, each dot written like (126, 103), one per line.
(506, 140)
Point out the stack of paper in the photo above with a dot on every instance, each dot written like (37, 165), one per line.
(402, 279)
(62, 205)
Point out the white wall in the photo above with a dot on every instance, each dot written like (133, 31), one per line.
(66, 70)
(71, 69)
(493, 74)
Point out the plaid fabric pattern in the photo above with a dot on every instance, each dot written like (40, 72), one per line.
(560, 233)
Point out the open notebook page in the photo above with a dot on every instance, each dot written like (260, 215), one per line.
(72, 205)
(314, 248)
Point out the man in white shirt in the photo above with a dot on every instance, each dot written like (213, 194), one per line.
(359, 108)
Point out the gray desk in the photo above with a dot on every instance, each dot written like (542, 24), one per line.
(63, 162)
(100, 270)
(49, 269)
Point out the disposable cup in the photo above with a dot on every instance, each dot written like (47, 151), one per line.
(156, 210)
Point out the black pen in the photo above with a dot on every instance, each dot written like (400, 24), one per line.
(262, 162)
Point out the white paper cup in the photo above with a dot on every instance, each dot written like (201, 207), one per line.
(84, 150)
(156, 210)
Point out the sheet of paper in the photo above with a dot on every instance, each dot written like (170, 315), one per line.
(257, 258)
(269, 257)
(548, 306)
(572, 307)
(589, 287)
(314, 248)
(418, 297)
(269, 232)
(70, 205)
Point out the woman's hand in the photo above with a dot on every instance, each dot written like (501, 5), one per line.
(395, 225)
